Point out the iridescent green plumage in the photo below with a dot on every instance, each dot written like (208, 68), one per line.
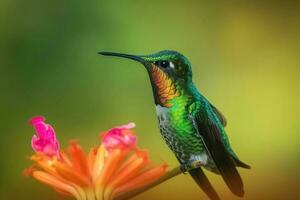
(191, 126)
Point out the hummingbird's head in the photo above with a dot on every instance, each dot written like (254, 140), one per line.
(169, 72)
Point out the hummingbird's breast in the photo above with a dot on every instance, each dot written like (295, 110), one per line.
(179, 133)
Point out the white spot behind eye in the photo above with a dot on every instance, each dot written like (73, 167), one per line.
(172, 65)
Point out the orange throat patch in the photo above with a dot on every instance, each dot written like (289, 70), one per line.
(166, 90)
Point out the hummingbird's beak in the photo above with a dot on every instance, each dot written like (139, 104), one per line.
(132, 57)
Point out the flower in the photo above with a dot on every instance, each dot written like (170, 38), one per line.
(114, 168)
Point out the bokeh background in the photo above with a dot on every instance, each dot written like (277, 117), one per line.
(245, 57)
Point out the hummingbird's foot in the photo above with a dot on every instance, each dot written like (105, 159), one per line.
(191, 165)
(196, 164)
(184, 168)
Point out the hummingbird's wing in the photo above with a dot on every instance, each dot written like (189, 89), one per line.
(223, 121)
(220, 115)
(210, 132)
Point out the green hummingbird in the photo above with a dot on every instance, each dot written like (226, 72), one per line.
(191, 126)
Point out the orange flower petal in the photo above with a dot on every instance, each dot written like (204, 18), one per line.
(130, 158)
(62, 192)
(91, 159)
(70, 174)
(110, 166)
(129, 171)
(64, 157)
(54, 182)
(29, 171)
(45, 163)
(143, 179)
(78, 158)
(98, 163)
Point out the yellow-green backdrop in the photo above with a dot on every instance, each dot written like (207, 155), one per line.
(245, 57)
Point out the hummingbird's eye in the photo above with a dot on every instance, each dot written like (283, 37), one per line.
(163, 63)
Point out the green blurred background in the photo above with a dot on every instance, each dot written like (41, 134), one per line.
(245, 57)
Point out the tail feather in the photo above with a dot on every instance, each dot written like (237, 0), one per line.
(239, 163)
(201, 179)
(231, 177)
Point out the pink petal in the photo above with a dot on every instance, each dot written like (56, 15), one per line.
(119, 137)
(45, 139)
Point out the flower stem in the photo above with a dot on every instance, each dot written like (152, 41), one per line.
(170, 174)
